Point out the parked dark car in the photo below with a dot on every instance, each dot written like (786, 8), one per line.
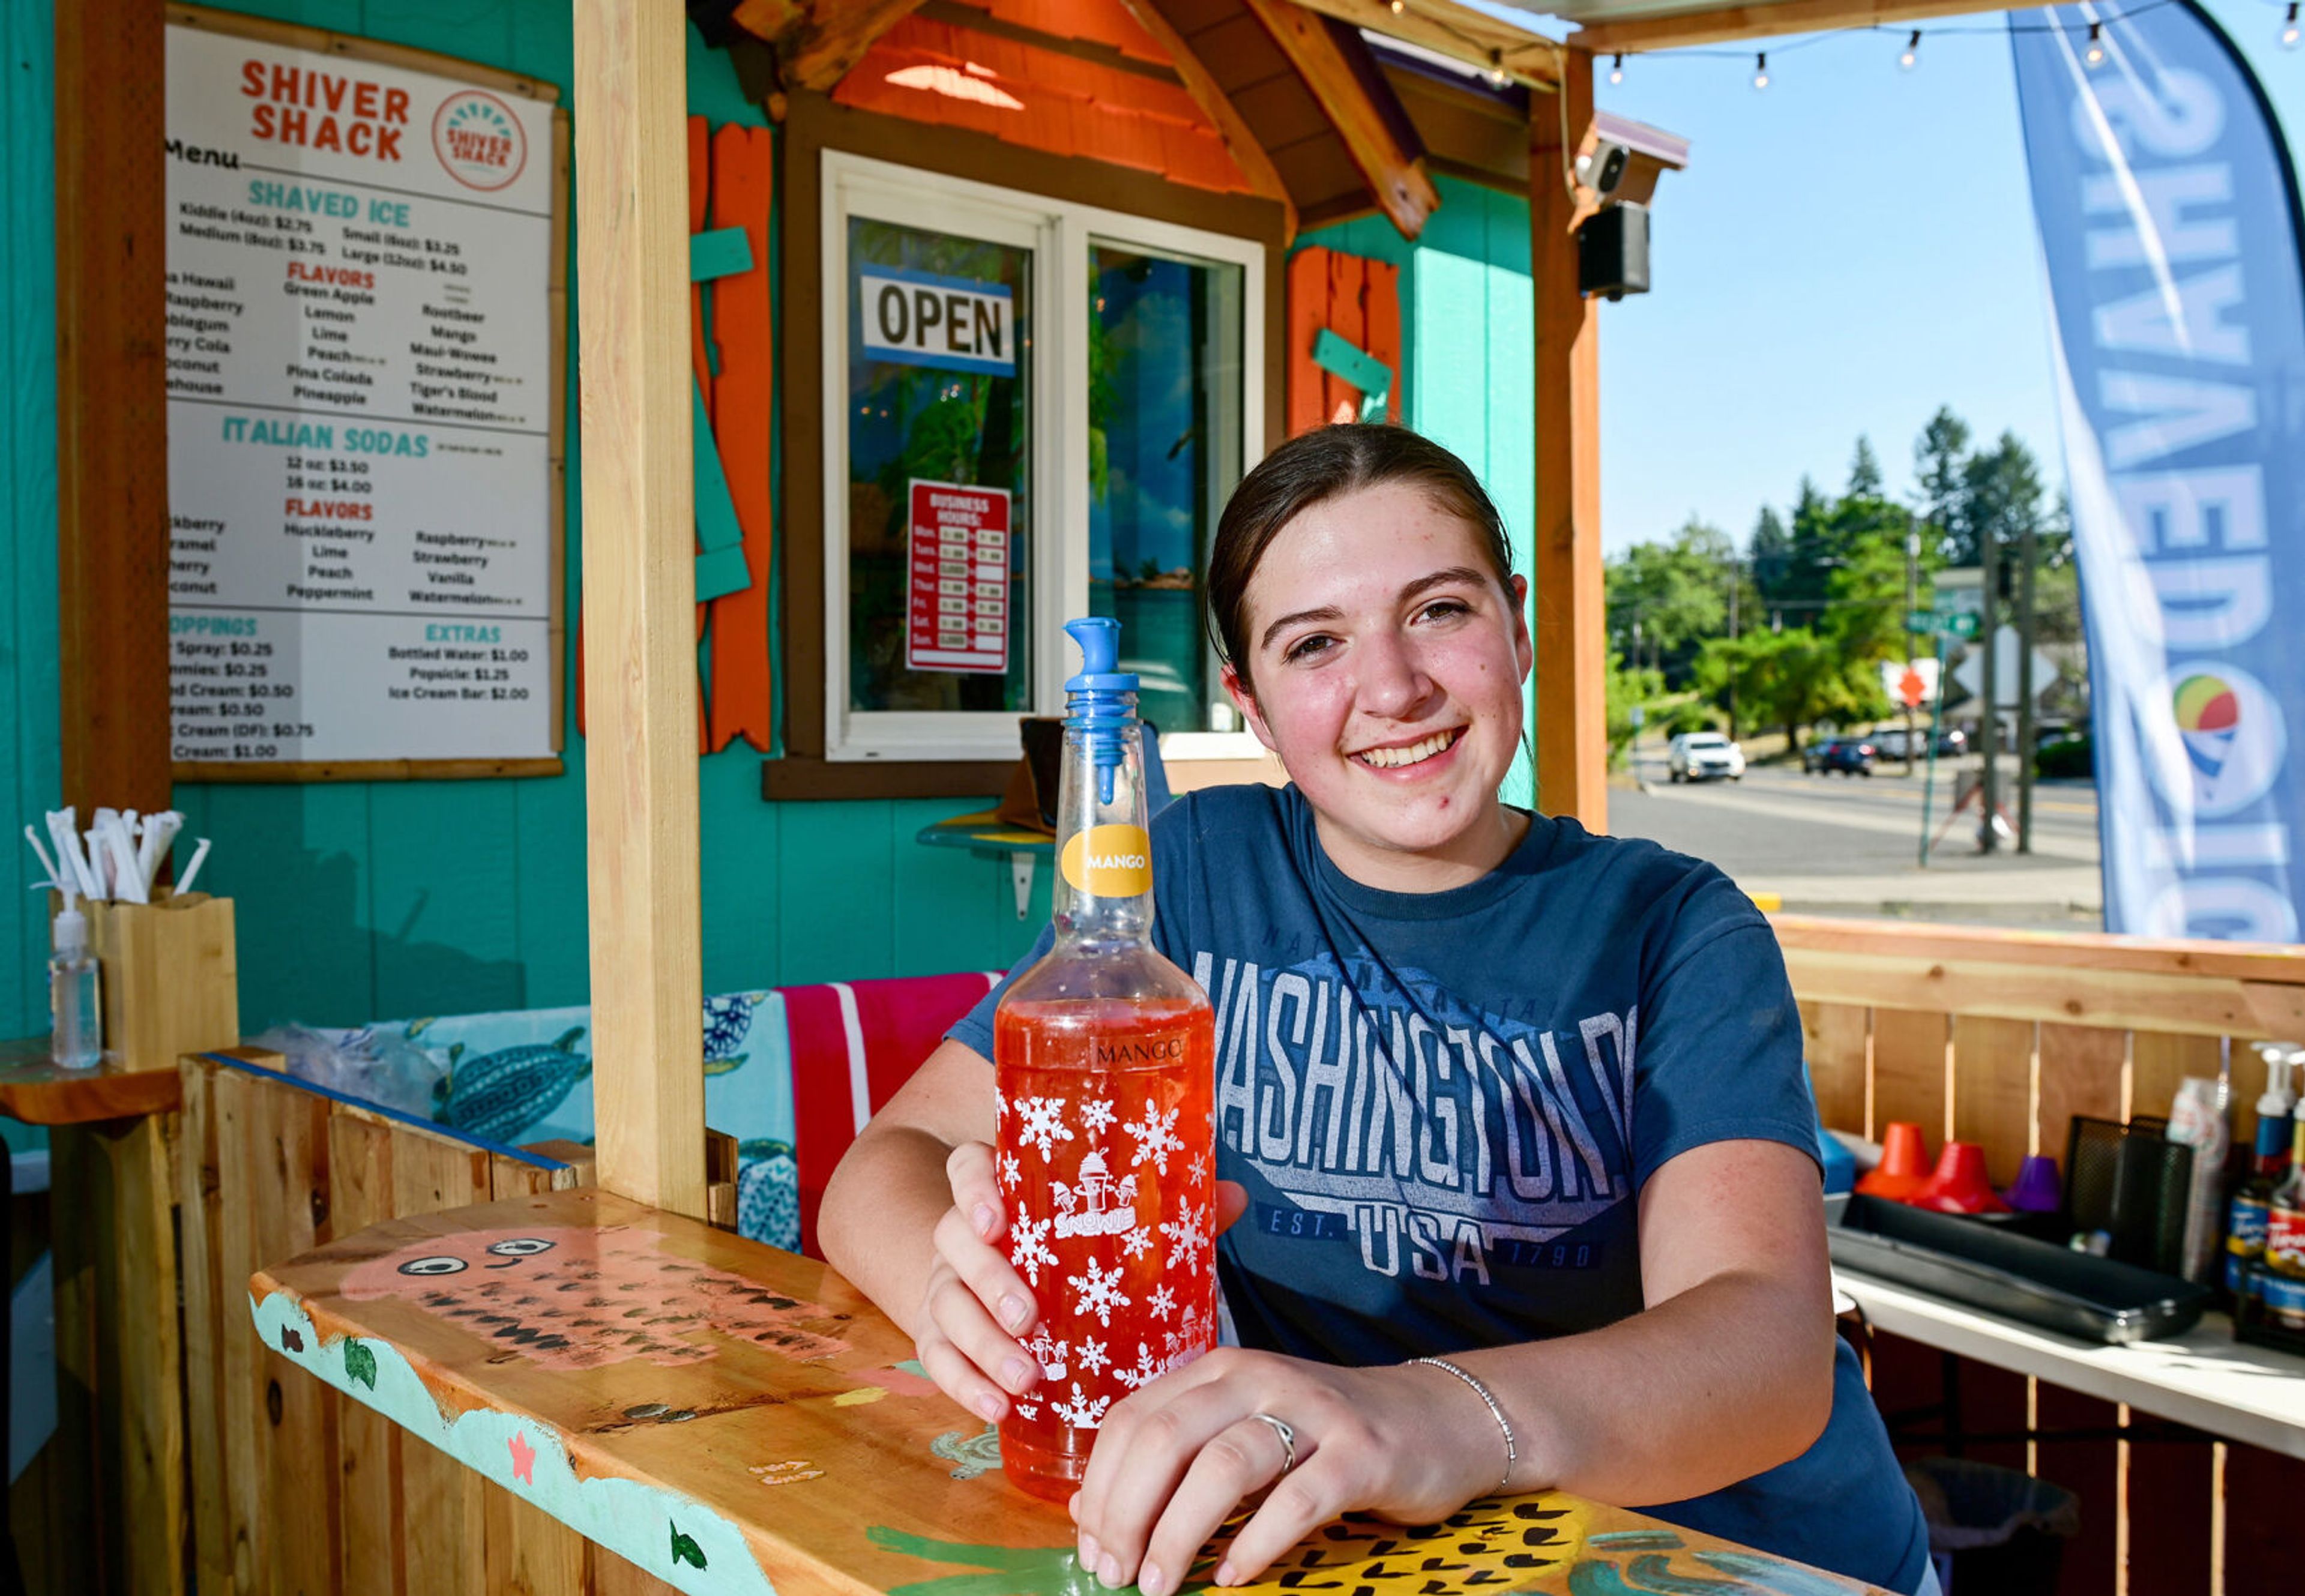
(1814, 752)
(1851, 756)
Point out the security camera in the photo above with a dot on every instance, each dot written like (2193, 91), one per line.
(1602, 167)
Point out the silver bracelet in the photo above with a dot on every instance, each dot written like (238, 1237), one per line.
(1512, 1452)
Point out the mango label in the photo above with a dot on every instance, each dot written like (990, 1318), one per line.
(1109, 862)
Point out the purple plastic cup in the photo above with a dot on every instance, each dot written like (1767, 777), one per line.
(2037, 1189)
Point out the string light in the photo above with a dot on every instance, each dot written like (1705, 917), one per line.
(2095, 54)
(1617, 63)
(1761, 70)
(1497, 75)
(1912, 51)
(2289, 30)
(1398, 6)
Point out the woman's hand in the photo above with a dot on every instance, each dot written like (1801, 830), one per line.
(1173, 1460)
(975, 1304)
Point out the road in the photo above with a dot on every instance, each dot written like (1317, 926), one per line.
(1840, 844)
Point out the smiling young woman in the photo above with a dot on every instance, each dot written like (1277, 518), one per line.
(1517, 1114)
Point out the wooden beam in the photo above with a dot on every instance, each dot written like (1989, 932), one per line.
(1733, 24)
(817, 42)
(640, 599)
(1264, 177)
(1474, 37)
(1370, 128)
(1572, 736)
(112, 404)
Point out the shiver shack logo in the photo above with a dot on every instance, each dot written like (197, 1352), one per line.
(479, 139)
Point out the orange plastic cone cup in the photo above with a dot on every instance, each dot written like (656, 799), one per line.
(1904, 1164)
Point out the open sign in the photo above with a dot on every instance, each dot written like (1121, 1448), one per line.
(924, 320)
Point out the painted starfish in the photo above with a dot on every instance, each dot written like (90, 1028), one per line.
(524, 1459)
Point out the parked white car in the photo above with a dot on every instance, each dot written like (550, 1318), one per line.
(1704, 756)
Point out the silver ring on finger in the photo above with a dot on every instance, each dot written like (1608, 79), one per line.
(1281, 1427)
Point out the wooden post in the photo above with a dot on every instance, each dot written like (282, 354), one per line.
(111, 417)
(640, 597)
(1572, 734)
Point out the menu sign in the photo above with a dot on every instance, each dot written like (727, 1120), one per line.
(360, 406)
(958, 586)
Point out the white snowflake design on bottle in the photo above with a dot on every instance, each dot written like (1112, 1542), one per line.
(1028, 1247)
(1114, 1248)
(1040, 1123)
(1156, 1137)
(1188, 1238)
(1083, 1413)
(1100, 1293)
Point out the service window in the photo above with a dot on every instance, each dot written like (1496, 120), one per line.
(1034, 410)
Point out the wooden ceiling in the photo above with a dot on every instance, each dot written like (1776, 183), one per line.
(1301, 101)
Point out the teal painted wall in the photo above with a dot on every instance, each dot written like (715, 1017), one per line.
(1468, 325)
(30, 766)
(373, 900)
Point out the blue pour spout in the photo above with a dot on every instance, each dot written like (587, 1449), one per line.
(1101, 699)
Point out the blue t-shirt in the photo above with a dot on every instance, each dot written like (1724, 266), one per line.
(1443, 1106)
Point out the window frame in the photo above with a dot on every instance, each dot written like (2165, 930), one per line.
(1060, 232)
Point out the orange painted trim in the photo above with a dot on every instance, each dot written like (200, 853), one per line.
(744, 182)
(1308, 313)
(1359, 301)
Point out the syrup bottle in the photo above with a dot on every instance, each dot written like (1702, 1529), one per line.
(1105, 1150)
(2249, 1219)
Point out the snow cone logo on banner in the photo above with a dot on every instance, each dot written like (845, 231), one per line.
(2233, 734)
(478, 140)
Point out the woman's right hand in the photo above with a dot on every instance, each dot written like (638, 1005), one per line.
(975, 1304)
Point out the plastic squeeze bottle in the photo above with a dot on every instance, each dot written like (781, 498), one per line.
(75, 1000)
(2250, 1213)
(1105, 1150)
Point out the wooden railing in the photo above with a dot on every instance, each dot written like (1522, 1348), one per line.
(2000, 1037)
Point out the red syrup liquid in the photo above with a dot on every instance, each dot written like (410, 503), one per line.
(1107, 1162)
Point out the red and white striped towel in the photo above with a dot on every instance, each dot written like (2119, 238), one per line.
(853, 1044)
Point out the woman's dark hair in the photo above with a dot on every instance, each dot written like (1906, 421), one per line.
(1325, 463)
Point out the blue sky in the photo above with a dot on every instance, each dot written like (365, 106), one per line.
(1849, 248)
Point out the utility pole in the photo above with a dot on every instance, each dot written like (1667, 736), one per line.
(1988, 726)
(2025, 728)
(1912, 600)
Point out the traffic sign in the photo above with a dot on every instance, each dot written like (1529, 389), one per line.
(1952, 625)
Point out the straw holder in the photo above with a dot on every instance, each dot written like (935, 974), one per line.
(171, 977)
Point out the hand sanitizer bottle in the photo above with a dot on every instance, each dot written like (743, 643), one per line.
(75, 1001)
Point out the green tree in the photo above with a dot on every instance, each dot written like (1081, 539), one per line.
(1627, 687)
(1772, 552)
(1940, 456)
(1666, 598)
(1864, 470)
(2000, 498)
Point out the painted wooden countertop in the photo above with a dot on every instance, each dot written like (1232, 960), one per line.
(37, 1090)
(736, 1419)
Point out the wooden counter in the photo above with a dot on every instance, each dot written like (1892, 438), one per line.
(37, 1090)
(731, 1418)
